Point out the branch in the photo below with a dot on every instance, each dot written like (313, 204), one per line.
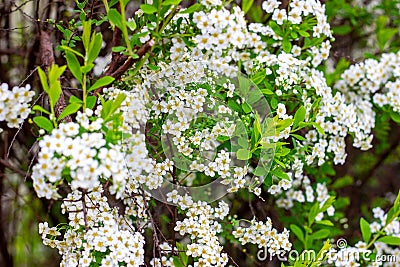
(6, 254)
(8, 165)
(117, 68)
(120, 70)
(141, 52)
(117, 59)
(46, 49)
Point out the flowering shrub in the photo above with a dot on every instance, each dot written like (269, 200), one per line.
(195, 110)
(14, 104)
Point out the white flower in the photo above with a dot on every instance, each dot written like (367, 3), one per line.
(281, 111)
(279, 16)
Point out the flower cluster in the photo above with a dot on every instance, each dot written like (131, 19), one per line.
(86, 157)
(108, 239)
(14, 104)
(84, 153)
(264, 235)
(379, 80)
(193, 120)
(202, 226)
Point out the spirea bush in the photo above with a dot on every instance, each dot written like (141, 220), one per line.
(196, 110)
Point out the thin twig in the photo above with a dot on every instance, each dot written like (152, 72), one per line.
(251, 206)
(366, 177)
(153, 224)
(120, 70)
(84, 210)
(7, 164)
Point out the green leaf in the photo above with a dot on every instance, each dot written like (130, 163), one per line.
(115, 18)
(74, 99)
(313, 213)
(395, 117)
(112, 3)
(384, 35)
(257, 128)
(343, 181)
(286, 45)
(342, 29)
(55, 91)
(275, 27)
(298, 137)
(191, 9)
(297, 231)
(342, 202)
(234, 105)
(118, 49)
(318, 127)
(134, 56)
(131, 25)
(278, 172)
(148, 9)
(390, 240)
(117, 102)
(103, 81)
(246, 108)
(43, 123)
(328, 169)
(152, 67)
(170, 2)
(282, 124)
(246, 5)
(329, 202)
(322, 254)
(304, 33)
(67, 48)
(325, 222)
(243, 154)
(163, 12)
(274, 103)
(90, 101)
(244, 86)
(124, 2)
(182, 253)
(284, 151)
(259, 171)
(299, 116)
(266, 91)
(68, 110)
(41, 109)
(105, 111)
(320, 234)
(177, 261)
(87, 27)
(396, 203)
(381, 22)
(95, 46)
(259, 77)
(87, 68)
(55, 72)
(43, 79)
(365, 230)
(73, 65)
(243, 142)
